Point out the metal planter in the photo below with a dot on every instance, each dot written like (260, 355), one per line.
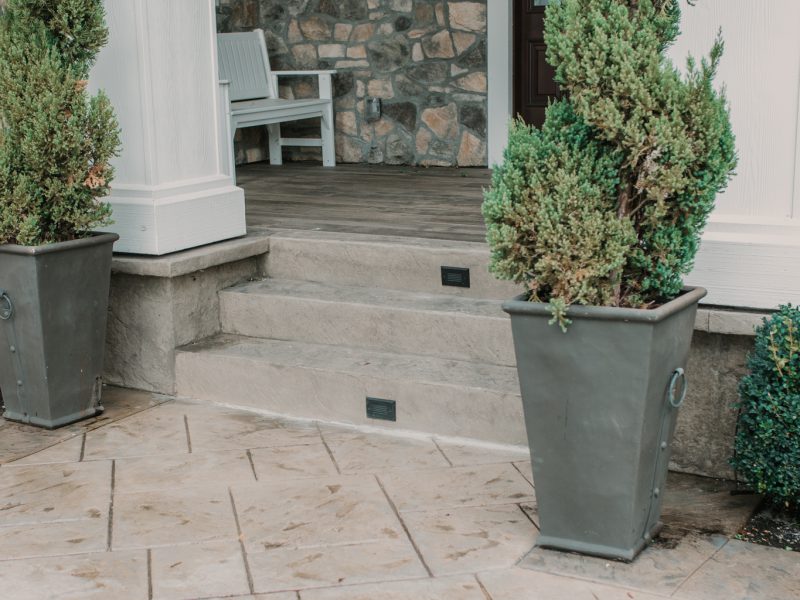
(600, 404)
(53, 312)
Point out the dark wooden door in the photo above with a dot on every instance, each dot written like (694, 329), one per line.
(534, 83)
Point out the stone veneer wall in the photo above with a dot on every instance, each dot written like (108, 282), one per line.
(426, 59)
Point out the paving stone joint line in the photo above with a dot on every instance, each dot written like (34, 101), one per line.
(246, 561)
(404, 526)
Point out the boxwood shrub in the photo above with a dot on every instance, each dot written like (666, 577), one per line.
(768, 437)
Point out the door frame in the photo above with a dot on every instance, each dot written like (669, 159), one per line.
(500, 75)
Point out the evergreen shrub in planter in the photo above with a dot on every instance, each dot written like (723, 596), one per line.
(600, 216)
(56, 143)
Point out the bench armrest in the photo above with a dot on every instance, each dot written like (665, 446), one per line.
(325, 84)
(300, 73)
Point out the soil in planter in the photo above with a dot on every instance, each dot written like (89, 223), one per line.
(775, 526)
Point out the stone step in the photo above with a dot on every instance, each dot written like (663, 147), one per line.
(331, 383)
(471, 329)
(394, 263)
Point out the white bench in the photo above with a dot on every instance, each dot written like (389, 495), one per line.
(253, 94)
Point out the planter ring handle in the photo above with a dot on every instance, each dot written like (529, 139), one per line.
(7, 310)
(678, 375)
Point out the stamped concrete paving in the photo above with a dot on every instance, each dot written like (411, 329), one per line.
(187, 501)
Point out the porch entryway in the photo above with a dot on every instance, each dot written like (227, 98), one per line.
(376, 285)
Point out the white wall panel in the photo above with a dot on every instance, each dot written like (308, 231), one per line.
(760, 71)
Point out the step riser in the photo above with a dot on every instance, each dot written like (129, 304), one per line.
(307, 393)
(395, 266)
(446, 335)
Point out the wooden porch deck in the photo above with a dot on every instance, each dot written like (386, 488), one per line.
(433, 203)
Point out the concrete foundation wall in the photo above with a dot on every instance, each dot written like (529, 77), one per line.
(159, 304)
(703, 442)
(151, 316)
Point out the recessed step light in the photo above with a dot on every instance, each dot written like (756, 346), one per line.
(384, 410)
(455, 277)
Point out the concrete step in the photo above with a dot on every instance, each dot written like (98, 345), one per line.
(460, 328)
(394, 263)
(331, 383)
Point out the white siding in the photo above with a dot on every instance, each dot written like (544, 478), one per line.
(760, 70)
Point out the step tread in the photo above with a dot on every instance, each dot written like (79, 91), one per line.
(391, 299)
(360, 362)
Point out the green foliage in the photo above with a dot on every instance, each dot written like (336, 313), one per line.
(768, 437)
(55, 140)
(606, 204)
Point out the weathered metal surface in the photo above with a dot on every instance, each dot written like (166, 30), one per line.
(51, 346)
(599, 418)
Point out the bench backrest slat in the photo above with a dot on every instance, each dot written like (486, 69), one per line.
(243, 61)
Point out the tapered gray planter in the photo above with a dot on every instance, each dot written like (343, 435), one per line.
(600, 405)
(53, 312)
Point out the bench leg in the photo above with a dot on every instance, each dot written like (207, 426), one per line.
(275, 148)
(232, 153)
(328, 123)
(328, 139)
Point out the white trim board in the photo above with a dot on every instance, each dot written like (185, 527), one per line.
(750, 271)
(499, 74)
(151, 224)
(795, 211)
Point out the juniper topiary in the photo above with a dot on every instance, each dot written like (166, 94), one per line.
(56, 140)
(768, 436)
(606, 204)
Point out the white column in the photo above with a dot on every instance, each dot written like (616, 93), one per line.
(173, 188)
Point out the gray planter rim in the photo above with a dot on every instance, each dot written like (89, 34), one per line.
(689, 296)
(94, 239)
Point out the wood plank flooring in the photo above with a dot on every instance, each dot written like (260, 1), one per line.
(433, 203)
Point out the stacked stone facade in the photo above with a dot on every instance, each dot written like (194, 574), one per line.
(425, 59)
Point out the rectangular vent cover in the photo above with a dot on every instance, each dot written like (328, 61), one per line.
(385, 410)
(455, 277)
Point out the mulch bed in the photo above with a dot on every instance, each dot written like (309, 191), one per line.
(775, 526)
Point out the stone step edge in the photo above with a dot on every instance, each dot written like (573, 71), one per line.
(399, 433)
(439, 245)
(216, 345)
(262, 288)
